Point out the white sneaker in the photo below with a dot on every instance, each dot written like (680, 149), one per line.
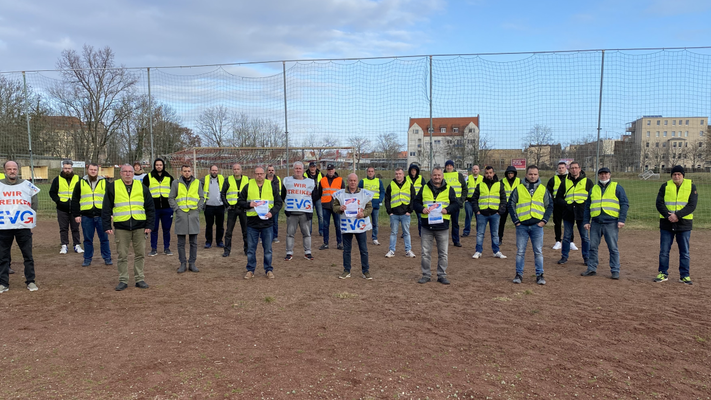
(4, 288)
(476, 255)
(375, 242)
(573, 246)
(557, 246)
(410, 254)
(78, 249)
(499, 255)
(390, 254)
(63, 250)
(32, 287)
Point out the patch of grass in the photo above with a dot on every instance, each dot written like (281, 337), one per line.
(528, 291)
(534, 312)
(345, 295)
(269, 299)
(700, 339)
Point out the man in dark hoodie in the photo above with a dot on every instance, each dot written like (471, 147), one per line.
(554, 184)
(158, 183)
(575, 193)
(676, 202)
(61, 193)
(435, 193)
(414, 179)
(488, 202)
(330, 184)
(87, 202)
(314, 173)
(530, 206)
(510, 183)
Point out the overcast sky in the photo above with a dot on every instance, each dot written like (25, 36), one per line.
(162, 33)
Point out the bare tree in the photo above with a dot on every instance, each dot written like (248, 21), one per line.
(537, 143)
(13, 122)
(215, 125)
(695, 153)
(360, 145)
(389, 145)
(472, 148)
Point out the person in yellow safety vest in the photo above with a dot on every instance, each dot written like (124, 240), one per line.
(130, 204)
(230, 194)
(314, 173)
(510, 182)
(676, 202)
(159, 181)
(87, 203)
(456, 181)
(214, 207)
(575, 193)
(555, 183)
(488, 203)
(414, 178)
(271, 175)
(399, 198)
(61, 193)
(375, 185)
(530, 206)
(262, 200)
(186, 200)
(473, 180)
(436, 194)
(605, 214)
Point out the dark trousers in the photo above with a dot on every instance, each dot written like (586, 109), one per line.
(232, 215)
(66, 221)
(88, 226)
(558, 223)
(327, 215)
(502, 224)
(164, 216)
(275, 227)
(214, 215)
(454, 220)
(362, 239)
(24, 241)
(193, 249)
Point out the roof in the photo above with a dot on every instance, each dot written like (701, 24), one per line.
(448, 123)
(62, 122)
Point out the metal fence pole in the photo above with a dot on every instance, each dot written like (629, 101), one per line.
(599, 114)
(286, 119)
(150, 116)
(431, 129)
(29, 131)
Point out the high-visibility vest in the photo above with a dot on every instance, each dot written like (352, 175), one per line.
(529, 207)
(676, 200)
(489, 198)
(159, 188)
(318, 177)
(471, 184)
(417, 183)
(557, 180)
(398, 195)
(452, 179)
(67, 188)
(607, 202)
(510, 188)
(126, 207)
(576, 192)
(206, 185)
(327, 190)
(253, 194)
(91, 198)
(234, 190)
(373, 185)
(188, 197)
(428, 198)
(2, 176)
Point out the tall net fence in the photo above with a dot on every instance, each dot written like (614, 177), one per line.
(638, 112)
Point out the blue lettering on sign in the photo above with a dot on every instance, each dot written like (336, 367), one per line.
(303, 204)
(17, 215)
(353, 224)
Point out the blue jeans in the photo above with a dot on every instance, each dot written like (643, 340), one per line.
(164, 216)
(468, 215)
(275, 227)
(253, 235)
(568, 237)
(523, 232)
(327, 215)
(493, 221)
(374, 220)
(611, 232)
(362, 246)
(319, 214)
(682, 240)
(88, 226)
(454, 222)
(395, 222)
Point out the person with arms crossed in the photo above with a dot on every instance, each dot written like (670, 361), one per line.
(375, 185)
(214, 207)
(455, 180)
(488, 202)
(554, 183)
(187, 199)
(355, 206)
(330, 184)
(511, 181)
(300, 195)
(399, 197)
(575, 193)
(472, 181)
(61, 193)
(87, 202)
(159, 182)
(230, 194)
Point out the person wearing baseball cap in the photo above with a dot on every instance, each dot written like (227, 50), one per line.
(330, 184)
(676, 202)
(604, 214)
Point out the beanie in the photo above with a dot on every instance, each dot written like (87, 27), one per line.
(678, 168)
(449, 162)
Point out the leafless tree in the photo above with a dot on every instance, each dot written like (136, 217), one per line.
(360, 145)
(537, 143)
(13, 123)
(215, 126)
(390, 146)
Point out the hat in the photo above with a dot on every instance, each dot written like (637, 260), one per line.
(137, 163)
(603, 169)
(330, 166)
(449, 162)
(312, 164)
(678, 168)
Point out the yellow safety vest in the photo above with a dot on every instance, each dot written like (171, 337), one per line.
(92, 198)
(206, 185)
(253, 194)
(67, 188)
(578, 194)
(234, 190)
(557, 182)
(489, 198)
(306, 175)
(373, 185)
(2, 176)
(188, 198)
(417, 183)
(471, 184)
(399, 196)
(428, 198)
(452, 179)
(676, 200)
(126, 207)
(510, 188)
(159, 188)
(530, 207)
(607, 202)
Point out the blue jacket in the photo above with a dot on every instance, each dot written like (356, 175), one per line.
(376, 202)
(604, 218)
(547, 203)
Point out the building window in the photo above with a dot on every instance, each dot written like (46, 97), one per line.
(657, 122)
(442, 130)
(664, 144)
(471, 130)
(701, 144)
(416, 132)
(656, 144)
(702, 122)
(455, 130)
(673, 133)
(686, 134)
(647, 133)
(674, 144)
(666, 122)
(412, 154)
(649, 121)
(674, 122)
(701, 133)
(647, 144)
(665, 133)
(657, 133)
(437, 142)
(686, 144)
(679, 122)
(687, 122)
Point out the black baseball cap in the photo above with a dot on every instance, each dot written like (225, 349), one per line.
(312, 164)
(330, 166)
(603, 169)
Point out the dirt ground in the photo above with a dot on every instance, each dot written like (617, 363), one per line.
(309, 335)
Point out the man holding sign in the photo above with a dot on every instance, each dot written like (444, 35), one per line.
(436, 202)
(300, 199)
(355, 205)
(18, 215)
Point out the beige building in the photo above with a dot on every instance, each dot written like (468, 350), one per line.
(452, 138)
(662, 142)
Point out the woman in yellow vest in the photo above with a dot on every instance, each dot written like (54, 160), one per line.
(187, 199)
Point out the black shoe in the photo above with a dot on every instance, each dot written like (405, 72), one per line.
(108, 262)
(309, 257)
(443, 280)
(540, 280)
(193, 268)
(562, 260)
(424, 279)
(182, 268)
(517, 279)
(86, 263)
(323, 247)
(12, 271)
(465, 234)
(226, 254)
(288, 257)
(585, 260)
(142, 285)
(208, 245)
(458, 244)
(589, 272)
(121, 286)
(220, 244)
(339, 247)
(615, 275)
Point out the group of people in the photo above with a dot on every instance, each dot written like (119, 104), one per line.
(139, 204)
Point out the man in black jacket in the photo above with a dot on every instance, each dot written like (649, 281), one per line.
(399, 208)
(61, 193)
(87, 202)
(488, 204)
(158, 182)
(575, 193)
